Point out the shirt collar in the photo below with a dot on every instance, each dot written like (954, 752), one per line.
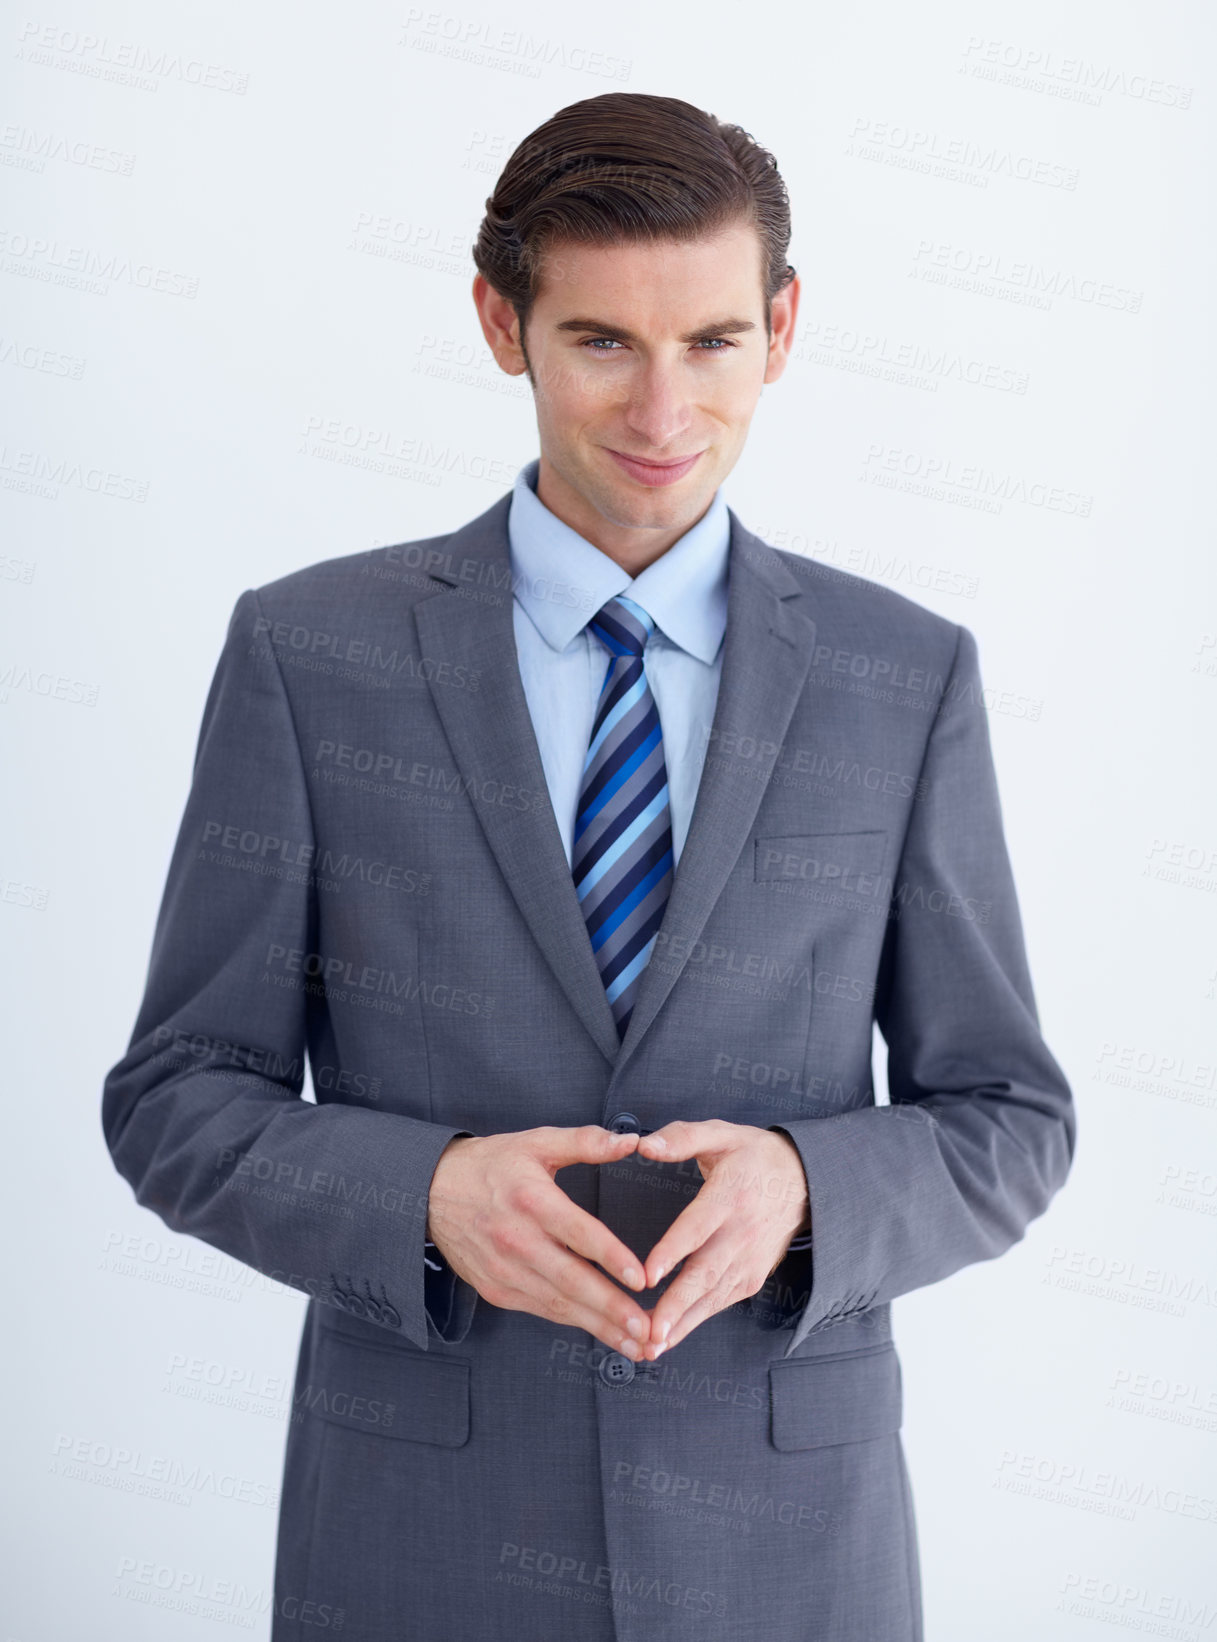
(561, 580)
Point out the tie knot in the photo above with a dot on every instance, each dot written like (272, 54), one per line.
(622, 626)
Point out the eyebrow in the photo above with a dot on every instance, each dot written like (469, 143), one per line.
(718, 328)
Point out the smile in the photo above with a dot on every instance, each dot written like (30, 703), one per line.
(654, 473)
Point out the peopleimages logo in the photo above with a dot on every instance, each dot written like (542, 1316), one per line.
(247, 841)
(317, 642)
(333, 971)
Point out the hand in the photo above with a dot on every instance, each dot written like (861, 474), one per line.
(500, 1221)
(737, 1229)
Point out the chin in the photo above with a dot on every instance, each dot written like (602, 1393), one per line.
(647, 512)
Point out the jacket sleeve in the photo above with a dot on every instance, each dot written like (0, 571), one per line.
(980, 1132)
(203, 1115)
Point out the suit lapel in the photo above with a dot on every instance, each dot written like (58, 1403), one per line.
(495, 748)
(766, 655)
(767, 652)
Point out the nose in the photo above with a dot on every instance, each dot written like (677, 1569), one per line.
(657, 409)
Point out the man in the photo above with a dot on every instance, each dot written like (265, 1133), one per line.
(581, 848)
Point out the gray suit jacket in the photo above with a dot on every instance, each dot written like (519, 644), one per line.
(369, 872)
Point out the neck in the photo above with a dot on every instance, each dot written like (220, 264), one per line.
(632, 547)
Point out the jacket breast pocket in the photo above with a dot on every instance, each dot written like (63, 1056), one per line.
(831, 888)
(852, 1396)
(387, 1391)
(840, 861)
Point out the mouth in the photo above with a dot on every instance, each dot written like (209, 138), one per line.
(653, 473)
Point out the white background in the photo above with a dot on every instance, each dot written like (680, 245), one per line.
(1017, 199)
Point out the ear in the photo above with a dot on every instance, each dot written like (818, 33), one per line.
(784, 311)
(500, 326)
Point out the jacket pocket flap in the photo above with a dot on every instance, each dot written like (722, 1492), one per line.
(851, 1397)
(387, 1391)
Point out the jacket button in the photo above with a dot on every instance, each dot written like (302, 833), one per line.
(624, 1123)
(390, 1315)
(616, 1369)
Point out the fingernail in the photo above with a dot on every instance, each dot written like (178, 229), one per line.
(632, 1276)
(635, 1327)
(659, 1271)
(659, 1351)
(628, 1347)
(664, 1330)
(658, 1142)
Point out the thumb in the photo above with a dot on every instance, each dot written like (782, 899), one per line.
(683, 1139)
(586, 1143)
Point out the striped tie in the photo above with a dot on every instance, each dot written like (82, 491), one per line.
(622, 849)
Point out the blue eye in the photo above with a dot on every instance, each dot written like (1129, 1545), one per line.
(592, 344)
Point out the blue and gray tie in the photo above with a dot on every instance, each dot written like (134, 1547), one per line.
(622, 848)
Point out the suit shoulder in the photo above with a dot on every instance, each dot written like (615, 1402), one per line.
(349, 581)
(848, 600)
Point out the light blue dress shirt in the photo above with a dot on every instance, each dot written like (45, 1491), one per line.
(560, 581)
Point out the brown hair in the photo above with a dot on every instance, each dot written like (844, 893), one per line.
(622, 168)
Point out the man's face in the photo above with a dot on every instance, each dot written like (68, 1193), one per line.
(651, 352)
